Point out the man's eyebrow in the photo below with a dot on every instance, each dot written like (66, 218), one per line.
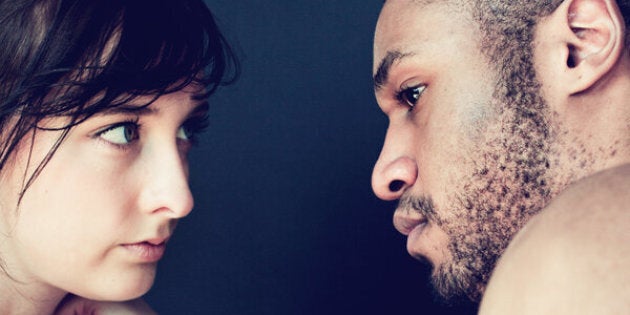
(386, 63)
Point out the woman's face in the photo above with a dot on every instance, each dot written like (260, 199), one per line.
(96, 219)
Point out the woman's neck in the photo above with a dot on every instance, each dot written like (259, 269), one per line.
(27, 297)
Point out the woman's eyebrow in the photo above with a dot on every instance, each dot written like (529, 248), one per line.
(146, 110)
(200, 109)
(142, 110)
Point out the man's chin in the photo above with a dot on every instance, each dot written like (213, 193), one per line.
(423, 260)
(452, 287)
(445, 285)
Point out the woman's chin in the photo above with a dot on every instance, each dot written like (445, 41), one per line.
(122, 288)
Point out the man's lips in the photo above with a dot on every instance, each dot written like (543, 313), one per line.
(406, 220)
(413, 224)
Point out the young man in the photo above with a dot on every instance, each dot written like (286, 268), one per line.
(500, 111)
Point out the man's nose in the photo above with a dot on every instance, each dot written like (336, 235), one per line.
(396, 168)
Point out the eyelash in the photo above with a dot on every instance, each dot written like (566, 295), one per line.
(133, 123)
(194, 126)
(403, 97)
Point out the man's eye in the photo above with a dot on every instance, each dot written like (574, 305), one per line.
(410, 96)
(120, 134)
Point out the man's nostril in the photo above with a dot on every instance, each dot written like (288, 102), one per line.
(396, 185)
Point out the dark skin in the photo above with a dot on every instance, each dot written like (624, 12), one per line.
(589, 220)
(483, 139)
(581, 262)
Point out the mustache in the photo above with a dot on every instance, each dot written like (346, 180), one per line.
(421, 204)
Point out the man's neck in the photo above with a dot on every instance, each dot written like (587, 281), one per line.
(600, 118)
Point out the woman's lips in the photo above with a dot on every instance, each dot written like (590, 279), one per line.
(145, 251)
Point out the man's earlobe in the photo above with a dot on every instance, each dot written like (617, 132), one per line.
(596, 42)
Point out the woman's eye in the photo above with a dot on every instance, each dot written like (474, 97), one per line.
(184, 133)
(121, 134)
(190, 130)
(411, 96)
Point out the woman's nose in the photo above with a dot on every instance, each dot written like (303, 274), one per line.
(166, 185)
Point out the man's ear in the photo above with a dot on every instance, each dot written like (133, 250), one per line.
(594, 43)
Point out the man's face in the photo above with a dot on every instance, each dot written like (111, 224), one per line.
(468, 167)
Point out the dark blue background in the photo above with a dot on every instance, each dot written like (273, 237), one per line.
(285, 221)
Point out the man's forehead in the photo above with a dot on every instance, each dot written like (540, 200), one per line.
(401, 25)
(402, 22)
(410, 34)
(420, 2)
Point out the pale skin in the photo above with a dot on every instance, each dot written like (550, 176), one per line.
(439, 131)
(77, 305)
(95, 221)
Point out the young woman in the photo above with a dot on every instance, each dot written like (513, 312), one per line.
(100, 101)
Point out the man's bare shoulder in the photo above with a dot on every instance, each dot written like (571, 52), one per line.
(572, 258)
